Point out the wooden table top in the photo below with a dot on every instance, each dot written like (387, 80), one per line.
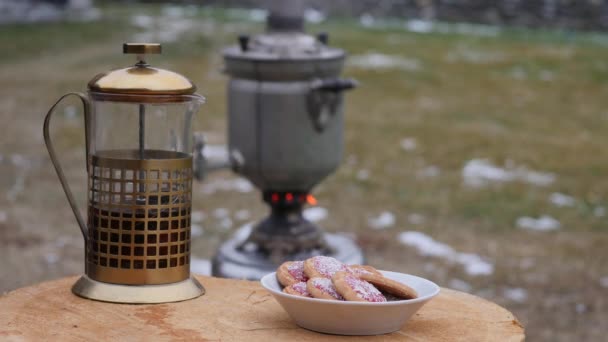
(231, 310)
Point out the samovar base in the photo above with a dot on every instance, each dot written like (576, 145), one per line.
(138, 294)
(231, 261)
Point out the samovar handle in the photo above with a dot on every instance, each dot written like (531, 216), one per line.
(325, 97)
(53, 155)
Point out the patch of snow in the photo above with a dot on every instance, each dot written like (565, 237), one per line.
(425, 244)
(142, 21)
(480, 172)
(242, 215)
(604, 281)
(17, 187)
(429, 172)
(460, 285)
(173, 11)
(599, 211)
(221, 213)
(43, 12)
(562, 200)
(315, 214)
(426, 26)
(415, 218)
(83, 10)
(385, 220)
(257, 15)
(236, 184)
(314, 16)
(198, 216)
(516, 294)
(542, 224)
(535, 178)
(20, 161)
(196, 230)
(51, 258)
(367, 20)
(468, 29)
(169, 26)
(378, 61)
(419, 26)
(470, 55)
(363, 174)
(3, 217)
(473, 264)
(200, 266)
(226, 223)
(408, 144)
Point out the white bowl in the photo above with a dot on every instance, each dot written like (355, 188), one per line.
(353, 318)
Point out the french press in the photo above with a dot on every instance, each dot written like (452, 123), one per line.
(139, 164)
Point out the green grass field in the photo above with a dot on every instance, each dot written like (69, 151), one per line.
(524, 100)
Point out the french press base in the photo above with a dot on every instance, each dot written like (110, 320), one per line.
(140, 294)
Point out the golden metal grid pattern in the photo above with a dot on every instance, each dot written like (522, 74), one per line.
(139, 217)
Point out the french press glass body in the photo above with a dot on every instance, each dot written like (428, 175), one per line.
(139, 164)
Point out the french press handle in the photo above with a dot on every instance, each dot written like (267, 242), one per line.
(53, 155)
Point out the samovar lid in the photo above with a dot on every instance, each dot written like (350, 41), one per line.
(141, 82)
(283, 46)
(284, 39)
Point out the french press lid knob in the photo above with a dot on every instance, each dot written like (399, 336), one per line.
(142, 48)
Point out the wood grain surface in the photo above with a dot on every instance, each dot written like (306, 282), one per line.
(231, 310)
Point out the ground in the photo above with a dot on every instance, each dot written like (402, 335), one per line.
(467, 134)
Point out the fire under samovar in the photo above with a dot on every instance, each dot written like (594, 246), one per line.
(285, 132)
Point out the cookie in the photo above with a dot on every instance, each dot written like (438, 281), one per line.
(322, 266)
(322, 288)
(291, 272)
(364, 269)
(352, 288)
(297, 289)
(390, 286)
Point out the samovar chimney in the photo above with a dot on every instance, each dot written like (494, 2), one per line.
(285, 16)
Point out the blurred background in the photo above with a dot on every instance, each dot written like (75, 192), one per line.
(475, 146)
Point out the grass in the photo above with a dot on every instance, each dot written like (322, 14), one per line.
(535, 98)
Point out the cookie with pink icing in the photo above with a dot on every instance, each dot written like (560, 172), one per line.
(364, 269)
(297, 289)
(354, 289)
(322, 288)
(291, 272)
(322, 266)
(390, 286)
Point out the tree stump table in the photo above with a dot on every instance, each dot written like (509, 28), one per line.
(231, 310)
